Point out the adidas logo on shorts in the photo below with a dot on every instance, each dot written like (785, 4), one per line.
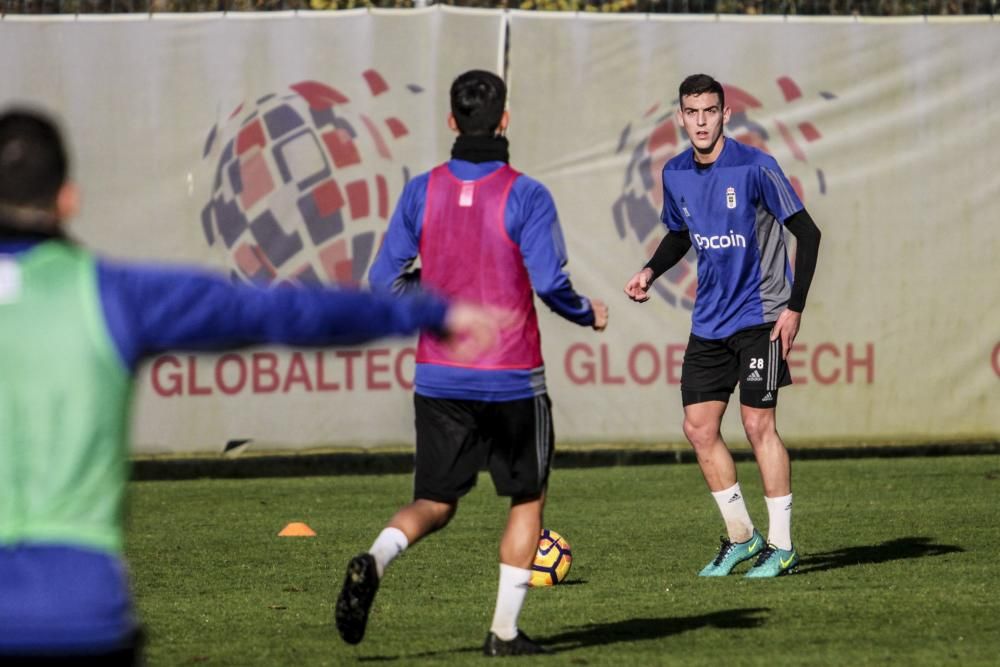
(767, 397)
(754, 377)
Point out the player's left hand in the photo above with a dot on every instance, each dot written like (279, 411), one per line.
(786, 328)
(600, 314)
(637, 288)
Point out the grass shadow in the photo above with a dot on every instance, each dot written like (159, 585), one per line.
(640, 629)
(572, 582)
(628, 630)
(899, 549)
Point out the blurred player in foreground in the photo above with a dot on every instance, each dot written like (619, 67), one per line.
(73, 329)
(734, 203)
(485, 233)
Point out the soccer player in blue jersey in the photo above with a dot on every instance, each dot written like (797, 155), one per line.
(486, 233)
(732, 203)
(74, 329)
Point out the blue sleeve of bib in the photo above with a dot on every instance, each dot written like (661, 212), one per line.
(390, 269)
(533, 224)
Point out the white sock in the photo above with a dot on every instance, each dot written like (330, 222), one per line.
(510, 597)
(779, 527)
(734, 513)
(390, 543)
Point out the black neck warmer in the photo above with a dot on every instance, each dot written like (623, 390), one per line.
(480, 149)
(12, 231)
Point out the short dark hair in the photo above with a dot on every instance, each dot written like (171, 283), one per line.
(33, 162)
(697, 84)
(478, 98)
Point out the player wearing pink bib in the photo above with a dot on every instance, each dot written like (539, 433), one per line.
(485, 234)
(455, 232)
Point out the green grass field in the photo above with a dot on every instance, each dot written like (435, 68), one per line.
(898, 568)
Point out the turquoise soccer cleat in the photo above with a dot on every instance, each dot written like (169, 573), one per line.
(774, 562)
(732, 554)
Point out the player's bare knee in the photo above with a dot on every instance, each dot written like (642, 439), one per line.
(437, 513)
(701, 435)
(446, 512)
(759, 428)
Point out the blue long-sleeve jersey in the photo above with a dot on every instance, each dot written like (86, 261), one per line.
(531, 222)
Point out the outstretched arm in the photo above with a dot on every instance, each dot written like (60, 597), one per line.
(151, 309)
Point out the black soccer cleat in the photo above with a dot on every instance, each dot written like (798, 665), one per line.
(356, 597)
(495, 647)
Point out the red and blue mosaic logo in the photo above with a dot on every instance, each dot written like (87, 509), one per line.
(303, 180)
(770, 121)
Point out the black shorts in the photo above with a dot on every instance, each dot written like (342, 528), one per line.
(713, 368)
(456, 439)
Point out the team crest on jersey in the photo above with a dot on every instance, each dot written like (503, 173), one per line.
(730, 197)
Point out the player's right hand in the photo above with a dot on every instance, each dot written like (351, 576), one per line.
(600, 314)
(637, 288)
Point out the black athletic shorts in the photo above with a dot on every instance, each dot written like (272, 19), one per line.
(713, 368)
(456, 439)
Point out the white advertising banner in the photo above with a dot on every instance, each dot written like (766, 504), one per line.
(214, 140)
(882, 129)
(269, 146)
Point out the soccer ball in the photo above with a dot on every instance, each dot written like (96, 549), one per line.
(552, 560)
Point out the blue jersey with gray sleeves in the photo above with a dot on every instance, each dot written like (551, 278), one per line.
(734, 211)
